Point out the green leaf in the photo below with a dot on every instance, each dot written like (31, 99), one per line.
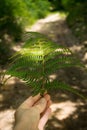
(39, 58)
(63, 86)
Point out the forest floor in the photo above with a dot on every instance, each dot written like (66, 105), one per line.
(69, 110)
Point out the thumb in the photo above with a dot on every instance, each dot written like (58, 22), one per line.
(41, 105)
(44, 119)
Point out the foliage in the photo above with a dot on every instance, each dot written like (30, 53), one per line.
(77, 15)
(20, 13)
(14, 16)
(77, 10)
(56, 5)
(38, 59)
(37, 9)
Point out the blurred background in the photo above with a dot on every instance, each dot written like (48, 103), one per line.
(63, 21)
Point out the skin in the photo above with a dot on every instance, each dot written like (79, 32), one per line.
(33, 113)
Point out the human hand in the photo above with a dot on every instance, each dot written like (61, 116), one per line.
(33, 113)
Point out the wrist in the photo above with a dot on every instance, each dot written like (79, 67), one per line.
(24, 126)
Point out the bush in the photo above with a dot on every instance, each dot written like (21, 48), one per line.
(15, 15)
(77, 17)
(56, 5)
(77, 10)
(37, 9)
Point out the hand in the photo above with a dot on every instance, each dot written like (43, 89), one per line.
(33, 113)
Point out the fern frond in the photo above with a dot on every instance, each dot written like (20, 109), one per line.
(63, 86)
(39, 58)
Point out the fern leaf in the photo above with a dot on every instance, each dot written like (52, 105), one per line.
(39, 58)
(63, 86)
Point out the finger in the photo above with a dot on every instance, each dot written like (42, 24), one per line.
(29, 102)
(47, 97)
(41, 105)
(36, 98)
(49, 103)
(44, 118)
(47, 106)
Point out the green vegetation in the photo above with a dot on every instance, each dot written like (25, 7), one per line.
(38, 60)
(77, 15)
(12, 15)
(37, 9)
(15, 15)
(39, 52)
(21, 13)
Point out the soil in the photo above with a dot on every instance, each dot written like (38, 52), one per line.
(69, 110)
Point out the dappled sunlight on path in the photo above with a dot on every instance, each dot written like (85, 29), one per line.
(63, 110)
(39, 24)
(6, 119)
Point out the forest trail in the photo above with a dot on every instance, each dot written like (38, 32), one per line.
(55, 27)
(69, 111)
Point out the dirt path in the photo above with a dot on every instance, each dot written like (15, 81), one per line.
(56, 28)
(69, 111)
